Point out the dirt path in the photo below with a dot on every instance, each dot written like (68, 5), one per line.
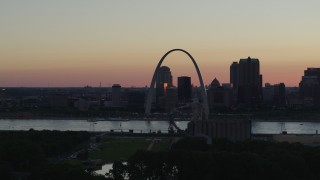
(151, 145)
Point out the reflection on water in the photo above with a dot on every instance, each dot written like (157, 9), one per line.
(104, 169)
(258, 127)
(83, 125)
(289, 127)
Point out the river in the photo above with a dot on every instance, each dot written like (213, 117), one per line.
(83, 125)
(258, 127)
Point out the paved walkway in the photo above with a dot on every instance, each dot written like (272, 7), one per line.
(151, 145)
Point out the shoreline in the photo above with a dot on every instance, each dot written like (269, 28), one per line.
(152, 119)
(83, 119)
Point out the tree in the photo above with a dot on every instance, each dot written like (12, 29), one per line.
(118, 171)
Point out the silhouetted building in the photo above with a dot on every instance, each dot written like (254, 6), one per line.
(279, 98)
(136, 100)
(312, 72)
(30, 102)
(294, 100)
(226, 85)
(86, 104)
(58, 100)
(234, 80)
(275, 95)
(184, 89)
(234, 75)
(268, 94)
(219, 96)
(249, 91)
(215, 83)
(309, 87)
(164, 80)
(171, 99)
(116, 95)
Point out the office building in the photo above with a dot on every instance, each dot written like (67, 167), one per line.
(248, 83)
(184, 89)
(171, 99)
(163, 81)
(275, 95)
(309, 87)
(136, 100)
(116, 95)
(219, 96)
(279, 98)
(268, 94)
(234, 75)
(58, 100)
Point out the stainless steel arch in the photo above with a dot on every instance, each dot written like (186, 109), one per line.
(202, 88)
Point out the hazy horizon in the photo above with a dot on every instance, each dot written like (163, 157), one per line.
(78, 43)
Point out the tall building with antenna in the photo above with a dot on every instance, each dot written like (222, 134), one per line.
(246, 81)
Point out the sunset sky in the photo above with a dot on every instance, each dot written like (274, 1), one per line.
(82, 42)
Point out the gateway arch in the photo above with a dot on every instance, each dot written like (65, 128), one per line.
(202, 88)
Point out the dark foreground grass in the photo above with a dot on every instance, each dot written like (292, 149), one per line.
(73, 162)
(119, 149)
(163, 145)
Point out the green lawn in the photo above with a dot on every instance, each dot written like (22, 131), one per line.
(119, 149)
(73, 162)
(163, 145)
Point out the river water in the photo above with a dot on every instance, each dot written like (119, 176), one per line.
(258, 127)
(104, 169)
(83, 125)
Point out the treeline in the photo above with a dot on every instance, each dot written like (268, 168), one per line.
(35, 155)
(192, 158)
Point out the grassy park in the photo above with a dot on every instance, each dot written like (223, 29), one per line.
(120, 149)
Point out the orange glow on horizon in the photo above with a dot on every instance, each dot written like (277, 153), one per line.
(112, 42)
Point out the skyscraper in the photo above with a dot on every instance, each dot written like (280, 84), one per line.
(279, 97)
(116, 95)
(184, 89)
(171, 99)
(234, 75)
(249, 91)
(309, 87)
(164, 80)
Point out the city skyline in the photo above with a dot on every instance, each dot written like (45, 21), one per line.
(79, 43)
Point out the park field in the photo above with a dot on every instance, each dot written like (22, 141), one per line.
(120, 149)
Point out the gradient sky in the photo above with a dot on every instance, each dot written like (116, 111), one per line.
(82, 42)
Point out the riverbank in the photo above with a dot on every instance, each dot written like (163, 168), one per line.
(150, 120)
(285, 115)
